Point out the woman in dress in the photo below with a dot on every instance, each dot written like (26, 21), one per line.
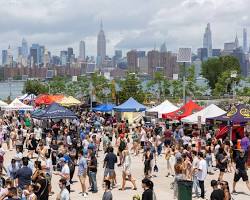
(126, 172)
(31, 145)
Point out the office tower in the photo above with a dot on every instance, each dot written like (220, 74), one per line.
(132, 60)
(63, 57)
(82, 51)
(236, 41)
(9, 57)
(207, 40)
(153, 61)
(4, 57)
(46, 58)
(168, 64)
(101, 46)
(37, 54)
(70, 54)
(118, 54)
(141, 54)
(216, 52)
(202, 54)
(25, 50)
(245, 49)
(19, 51)
(143, 65)
(163, 48)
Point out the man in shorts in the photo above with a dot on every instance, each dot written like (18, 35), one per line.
(109, 164)
(241, 170)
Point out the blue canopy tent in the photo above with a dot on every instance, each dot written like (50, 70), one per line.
(54, 111)
(104, 108)
(131, 105)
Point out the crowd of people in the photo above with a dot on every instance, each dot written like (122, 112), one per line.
(64, 148)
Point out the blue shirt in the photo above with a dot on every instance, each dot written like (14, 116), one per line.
(24, 176)
(82, 168)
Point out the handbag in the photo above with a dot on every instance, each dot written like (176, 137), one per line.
(156, 169)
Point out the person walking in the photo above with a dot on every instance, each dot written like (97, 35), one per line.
(109, 164)
(82, 172)
(92, 168)
(241, 170)
(202, 173)
(148, 193)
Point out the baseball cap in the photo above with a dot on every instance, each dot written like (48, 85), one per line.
(62, 159)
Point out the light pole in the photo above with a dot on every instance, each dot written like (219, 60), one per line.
(90, 94)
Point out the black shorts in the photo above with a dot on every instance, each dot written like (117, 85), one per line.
(142, 144)
(241, 174)
(222, 170)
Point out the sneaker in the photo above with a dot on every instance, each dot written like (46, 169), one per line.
(84, 194)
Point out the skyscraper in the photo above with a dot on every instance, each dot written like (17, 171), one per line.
(25, 51)
(101, 46)
(132, 59)
(82, 51)
(9, 57)
(207, 40)
(4, 57)
(163, 48)
(236, 41)
(245, 49)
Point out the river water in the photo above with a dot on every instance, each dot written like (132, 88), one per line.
(12, 88)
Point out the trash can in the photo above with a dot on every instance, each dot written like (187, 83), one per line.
(185, 189)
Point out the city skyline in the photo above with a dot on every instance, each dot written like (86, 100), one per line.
(61, 24)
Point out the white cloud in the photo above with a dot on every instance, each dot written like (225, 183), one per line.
(128, 24)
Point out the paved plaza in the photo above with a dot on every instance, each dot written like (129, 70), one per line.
(162, 183)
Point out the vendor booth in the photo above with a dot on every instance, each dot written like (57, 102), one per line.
(164, 107)
(17, 105)
(104, 108)
(208, 112)
(188, 109)
(130, 109)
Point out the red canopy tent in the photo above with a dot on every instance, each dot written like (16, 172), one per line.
(188, 109)
(47, 99)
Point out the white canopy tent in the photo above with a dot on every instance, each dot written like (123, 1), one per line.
(17, 105)
(164, 107)
(210, 111)
(28, 97)
(2, 103)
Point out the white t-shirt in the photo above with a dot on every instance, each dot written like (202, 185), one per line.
(202, 170)
(186, 139)
(64, 195)
(65, 170)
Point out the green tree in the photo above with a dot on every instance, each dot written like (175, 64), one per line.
(159, 86)
(58, 85)
(35, 87)
(101, 86)
(214, 68)
(131, 87)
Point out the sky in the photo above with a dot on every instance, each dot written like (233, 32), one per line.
(128, 24)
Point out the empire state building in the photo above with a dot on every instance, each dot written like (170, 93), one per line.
(101, 47)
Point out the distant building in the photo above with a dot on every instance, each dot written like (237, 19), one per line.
(163, 48)
(207, 40)
(118, 54)
(168, 64)
(9, 57)
(243, 60)
(245, 48)
(143, 65)
(19, 51)
(101, 47)
(153, 61)
(132, 60)
(25, 49)
(216, 52)
(70, 54)
(197, 66)
(4, 57)
(37, 54)
(63, 58)
(202, 54)
(55, 60)
(141, 54)
(82, 51)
